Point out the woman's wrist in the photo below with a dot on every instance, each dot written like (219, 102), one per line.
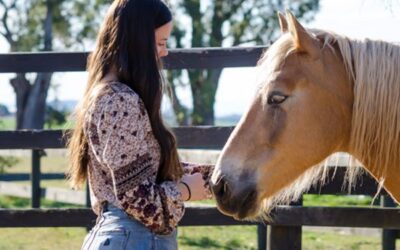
(185, 191)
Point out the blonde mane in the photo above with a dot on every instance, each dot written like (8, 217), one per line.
(374, 69)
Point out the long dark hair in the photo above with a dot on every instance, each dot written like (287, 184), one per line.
(126, 44)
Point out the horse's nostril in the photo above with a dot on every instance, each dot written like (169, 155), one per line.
(220, 188)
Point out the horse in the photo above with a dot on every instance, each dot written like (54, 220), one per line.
(319, 93)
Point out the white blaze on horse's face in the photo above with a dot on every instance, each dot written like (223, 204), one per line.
(277, 139)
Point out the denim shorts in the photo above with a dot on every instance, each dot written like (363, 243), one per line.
(115, 230)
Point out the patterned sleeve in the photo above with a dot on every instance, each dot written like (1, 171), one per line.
(126, 145)
(204, 169)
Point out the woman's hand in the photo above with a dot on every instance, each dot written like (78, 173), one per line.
(196, 186)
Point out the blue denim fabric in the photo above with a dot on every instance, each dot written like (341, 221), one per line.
(115, 230)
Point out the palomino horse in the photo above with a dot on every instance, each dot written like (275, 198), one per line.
(320, 93)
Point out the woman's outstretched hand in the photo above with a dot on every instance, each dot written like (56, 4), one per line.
(196, 185)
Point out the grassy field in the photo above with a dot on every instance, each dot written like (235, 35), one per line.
(188, 239)
(7, 123)
(53, 164)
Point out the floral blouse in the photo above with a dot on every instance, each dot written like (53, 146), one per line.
(124, 157)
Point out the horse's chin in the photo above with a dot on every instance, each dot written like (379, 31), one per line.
(248, 215)
(248, 210)
(242, 214)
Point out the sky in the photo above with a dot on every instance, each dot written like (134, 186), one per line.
(375, 19)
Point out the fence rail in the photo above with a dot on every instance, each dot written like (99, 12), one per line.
(290, 216)
(204, 137)
(199, 58)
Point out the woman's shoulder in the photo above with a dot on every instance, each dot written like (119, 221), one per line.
(116, 91)
(116, 95)
(120, 87)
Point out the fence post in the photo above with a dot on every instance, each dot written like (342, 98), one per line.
(35, 178)
(262, 236)
(285, 237)
(88, 203)
(388, 235)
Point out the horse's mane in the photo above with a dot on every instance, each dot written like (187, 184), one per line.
(374, 69)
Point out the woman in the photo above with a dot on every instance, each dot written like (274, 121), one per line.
(120, 143)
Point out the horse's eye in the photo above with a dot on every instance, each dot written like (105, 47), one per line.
(275, 99)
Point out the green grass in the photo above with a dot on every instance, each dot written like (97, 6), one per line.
(41, 238)
(218, 237)
(189, 238)
(67, 125)
(335, 241)
(7, 123)
(49, 164)
(336, 200)
(16, 202)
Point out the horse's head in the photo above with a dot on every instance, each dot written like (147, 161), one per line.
(300, 115)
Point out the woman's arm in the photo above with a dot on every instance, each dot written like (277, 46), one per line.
(205, 170)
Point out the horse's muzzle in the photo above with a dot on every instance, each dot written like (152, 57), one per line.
(240, 204)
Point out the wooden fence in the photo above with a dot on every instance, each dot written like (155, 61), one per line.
(284, 232)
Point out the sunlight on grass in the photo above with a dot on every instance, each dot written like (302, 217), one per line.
(7, 123)
(42, 238)
(17, 202)
(49, 164)
(335, 241)
(218, 237)
(336, 200)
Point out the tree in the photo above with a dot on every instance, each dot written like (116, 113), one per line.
(34, 25)
(54, 117)
(4, 110)
(7, 162)
(223, 23)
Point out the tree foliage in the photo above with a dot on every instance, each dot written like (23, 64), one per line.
(222, 23)
(44, 25)
(7, 162)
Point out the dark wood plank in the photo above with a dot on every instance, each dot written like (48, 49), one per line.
(31, 139)
(262, 237)
(35, 179)
(388, 235)
(210, 58)
(43, 62)
(337, 217)
(208, 216)
(26, 176)
(47, 218)
(365, 185)
(196, 58)
(202, 137)
(284, 237)
(204, 216)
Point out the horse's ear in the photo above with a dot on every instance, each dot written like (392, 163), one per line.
(282, 22)
(302, 39)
